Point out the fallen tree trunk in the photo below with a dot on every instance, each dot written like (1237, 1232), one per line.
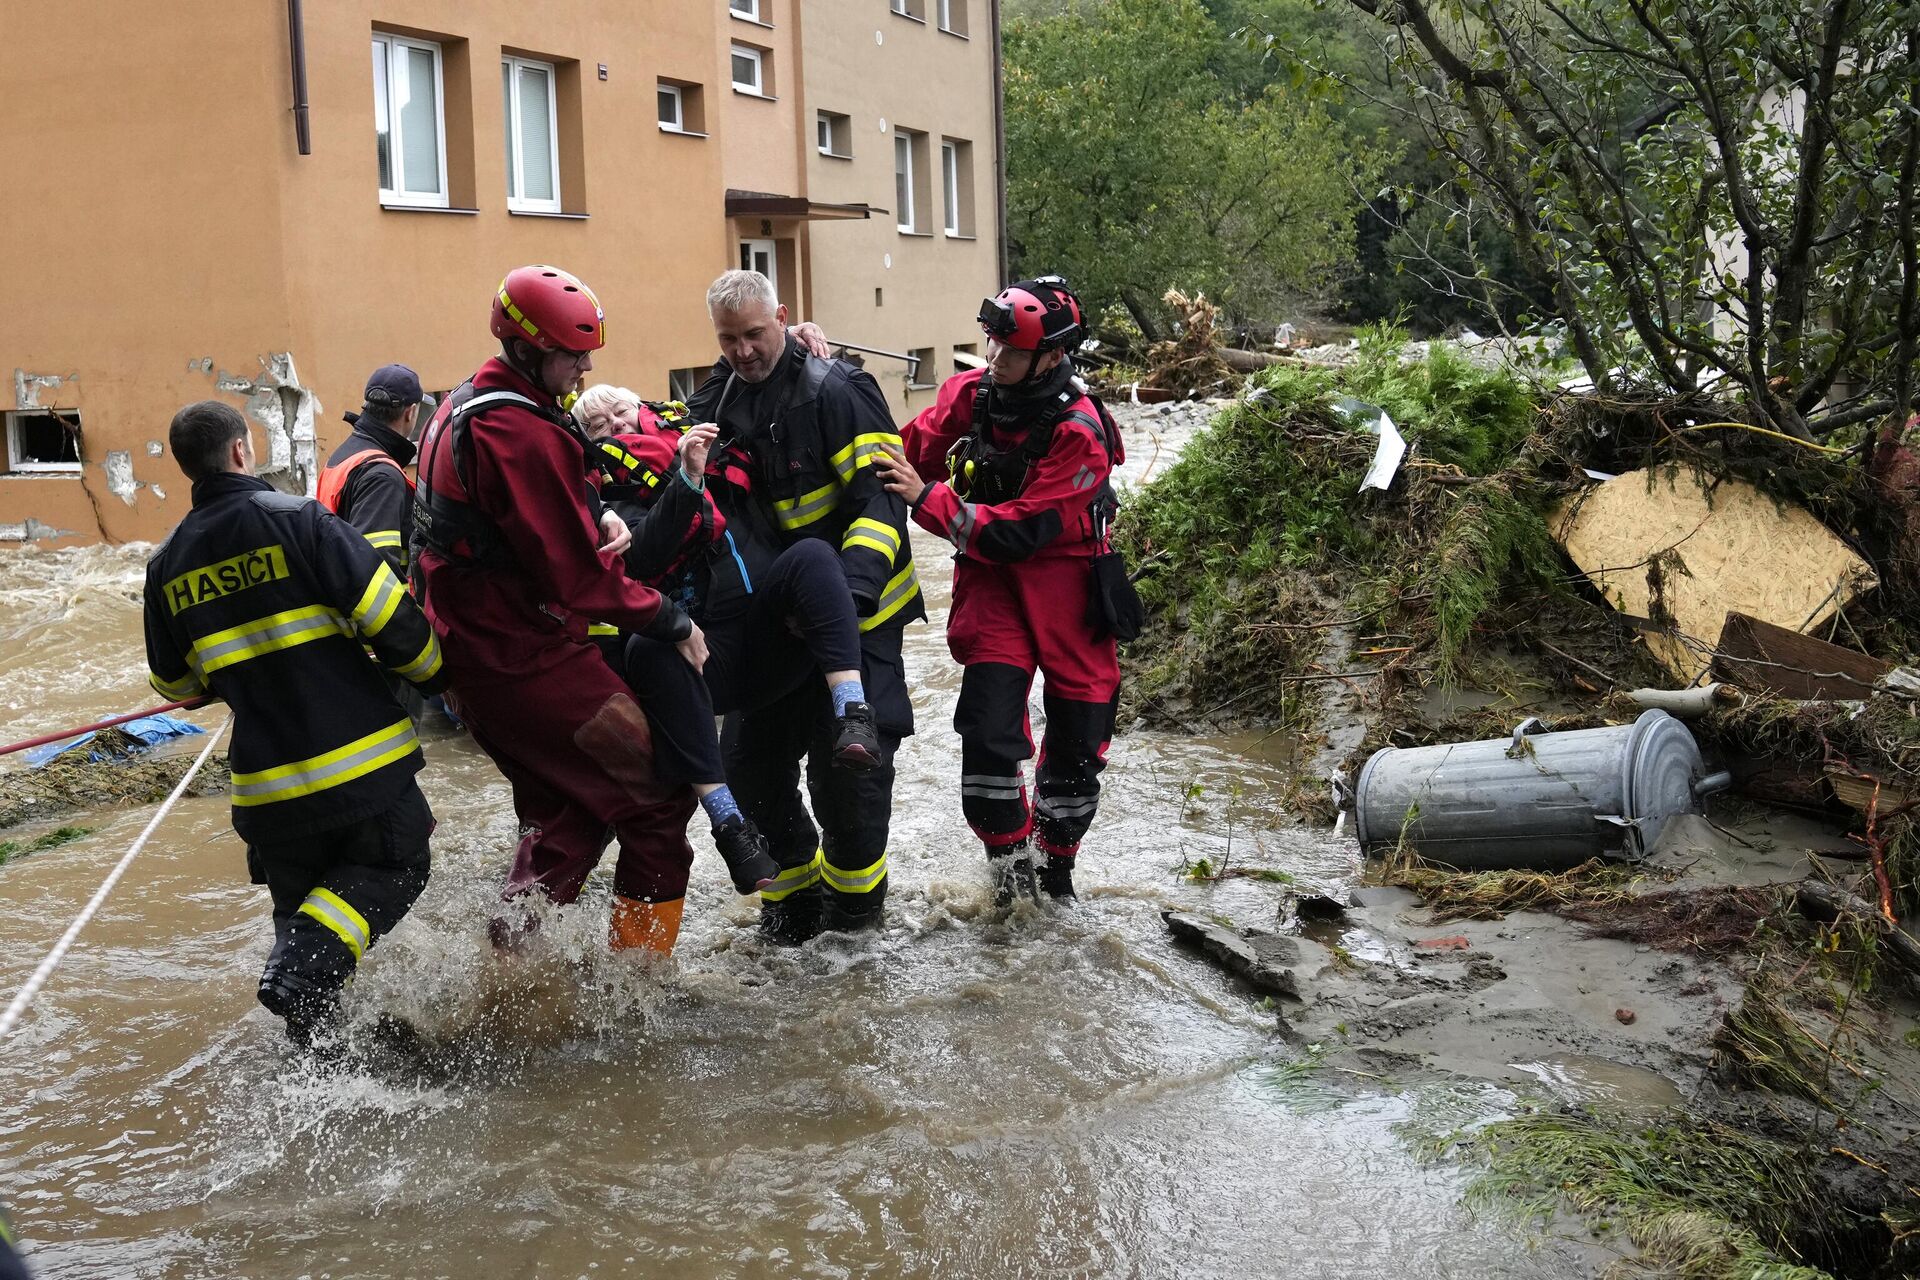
(1824, 902)
(1249, 361)
(1686, 704)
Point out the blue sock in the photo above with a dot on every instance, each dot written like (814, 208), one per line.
(720, 805)
(851, 691)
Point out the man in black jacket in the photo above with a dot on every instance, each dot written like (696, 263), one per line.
(794, 461)
(365, 482)
(270, 603)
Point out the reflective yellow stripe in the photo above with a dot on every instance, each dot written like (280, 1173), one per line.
(533, 330)
(865, 880)
(602, 629)
(793, 879)
(177, 690)
(874, 534)
(901, 589)
(342, 765)
(427, 665)
(861, 453)
(333, 911)
(266, 635)
(378, 602)
(795, 513)
(385, 538)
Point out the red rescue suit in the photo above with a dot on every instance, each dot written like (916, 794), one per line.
(509, 571)
(1019, 509)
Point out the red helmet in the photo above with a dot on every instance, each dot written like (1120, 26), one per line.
(549, 308)
(1034, 315)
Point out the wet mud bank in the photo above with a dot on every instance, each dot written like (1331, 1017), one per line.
(1715, 1040)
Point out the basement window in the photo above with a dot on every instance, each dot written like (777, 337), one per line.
(921, 374)
(43, 442)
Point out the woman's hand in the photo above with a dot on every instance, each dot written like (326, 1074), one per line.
(696, 446)
(813, 338)
(897, 474)
(614, 530)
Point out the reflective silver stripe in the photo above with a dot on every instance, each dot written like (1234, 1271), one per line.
(988, 787)
(303, 781)
(804, 512)
(1067, 806)
(1083, 479)
(480, 402)
(992, 793)
(960, 528)
(318, 624)
(991, 780)
(427, 664)
(352, 932)
(386, 592)
(852, 881)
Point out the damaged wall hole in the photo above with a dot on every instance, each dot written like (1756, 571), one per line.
(43, 442)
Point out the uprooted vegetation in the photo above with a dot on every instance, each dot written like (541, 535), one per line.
(1444, 610)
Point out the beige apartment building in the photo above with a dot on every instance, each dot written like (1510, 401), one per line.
(265, 202)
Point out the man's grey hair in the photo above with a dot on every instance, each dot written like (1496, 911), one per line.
(741, 290)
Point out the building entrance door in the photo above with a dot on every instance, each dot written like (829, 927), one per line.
(758, 255)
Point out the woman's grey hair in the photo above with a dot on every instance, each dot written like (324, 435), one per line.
(601, 397)
(739, 290)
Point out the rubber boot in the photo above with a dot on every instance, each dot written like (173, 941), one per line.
(639, 925)
(1056, 878)
(790, 910)
(858, 745)
(308, 1009)
(1012, 870)
(745, 851)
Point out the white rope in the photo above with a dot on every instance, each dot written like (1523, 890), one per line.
(52, 962)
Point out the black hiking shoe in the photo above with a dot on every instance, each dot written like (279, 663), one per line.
(858, 746)
(1012, 877)
(745, 851)
(1056, 879)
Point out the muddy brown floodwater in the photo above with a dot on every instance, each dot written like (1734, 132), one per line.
(1064, 1094)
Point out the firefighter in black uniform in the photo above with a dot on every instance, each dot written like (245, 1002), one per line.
(794, 460)
(365, 482)
(270, 603)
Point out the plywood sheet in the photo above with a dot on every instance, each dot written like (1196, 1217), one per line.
(1729, 550)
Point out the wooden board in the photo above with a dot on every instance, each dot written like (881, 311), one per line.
(1730, 549)
(1763, 658)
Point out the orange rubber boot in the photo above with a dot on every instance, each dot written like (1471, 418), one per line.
(654, 926)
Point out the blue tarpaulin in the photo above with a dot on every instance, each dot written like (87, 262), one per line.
(148, 731)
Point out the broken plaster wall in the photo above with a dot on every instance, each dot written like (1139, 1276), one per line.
(286, 413)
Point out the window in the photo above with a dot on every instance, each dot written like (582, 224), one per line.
(43, 441)
(920, 369)
(682, 383)
(956, 183)
(682, 108)
(748, 9)
(915, 9)
(903, 179)
(950, 185)
(953, 16)
(966, 355)
(835, 135)
(749, 70)
(910, 178)
(533, 135)
(409, 127)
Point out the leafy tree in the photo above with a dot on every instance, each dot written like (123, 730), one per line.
(1721, 193)
(1136, 163)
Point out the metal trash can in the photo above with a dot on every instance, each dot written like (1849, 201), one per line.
(1538, 800)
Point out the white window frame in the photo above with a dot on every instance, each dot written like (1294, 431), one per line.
(751, 12)
(679, 95)
(517, 181)
(758, 87)
(950, 181)
(396, 144)
(750, 248)
(945, 11)
(20, 466)
(826, 120)
(903, 191)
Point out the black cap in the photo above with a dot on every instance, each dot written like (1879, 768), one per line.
(393, 386)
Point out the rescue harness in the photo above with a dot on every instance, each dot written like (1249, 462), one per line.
(457, 530)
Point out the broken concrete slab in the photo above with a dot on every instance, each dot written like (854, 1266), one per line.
(1678, 554)
(1259, 959)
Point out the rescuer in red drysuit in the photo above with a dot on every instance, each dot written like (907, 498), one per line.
(1027, 455)
(509, 566)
